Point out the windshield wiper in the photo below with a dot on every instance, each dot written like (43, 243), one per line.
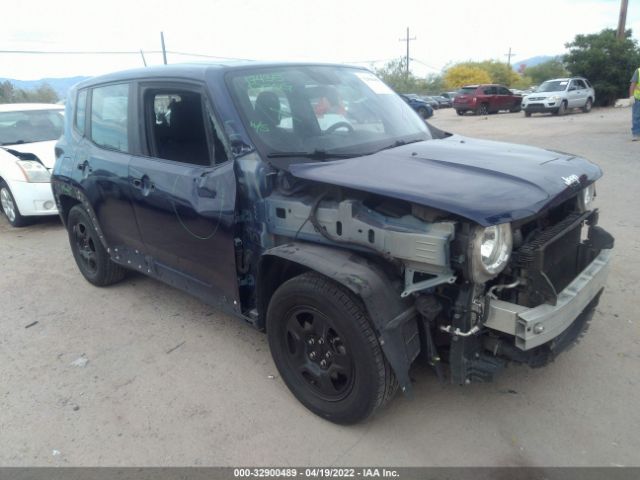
(399, 143)
(314, 155)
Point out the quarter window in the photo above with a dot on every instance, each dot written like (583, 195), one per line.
(81, 108)
(109, 117)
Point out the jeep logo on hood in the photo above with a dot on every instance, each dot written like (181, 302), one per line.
(571, 180)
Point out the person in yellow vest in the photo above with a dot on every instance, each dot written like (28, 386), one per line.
(634, 91)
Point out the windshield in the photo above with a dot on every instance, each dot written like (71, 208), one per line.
(30, 126)
(553, 86)
(329, 109)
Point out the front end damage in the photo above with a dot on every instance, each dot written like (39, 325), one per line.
(413, 268)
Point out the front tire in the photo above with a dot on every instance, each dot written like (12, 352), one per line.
(10, 207)
(423, 112)
(562, 109)
(527, 114)
(91, 257)
(326, 350)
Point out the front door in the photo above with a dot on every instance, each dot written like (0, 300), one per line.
(184, 192)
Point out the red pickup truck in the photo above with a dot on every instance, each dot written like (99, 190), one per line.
(485, 99)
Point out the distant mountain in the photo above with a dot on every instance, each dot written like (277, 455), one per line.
(60, 85)
(520, 65)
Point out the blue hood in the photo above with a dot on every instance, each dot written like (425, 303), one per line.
(485, 181)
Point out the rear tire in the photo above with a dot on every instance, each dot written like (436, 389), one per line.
(587, 106)
(461, 112)
(91, 257)
(10, 207)
(483, 109)
(326, 350)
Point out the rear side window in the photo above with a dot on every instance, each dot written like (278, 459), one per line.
(504, 91)
(81, 109)
(109, 117)
(490, 91)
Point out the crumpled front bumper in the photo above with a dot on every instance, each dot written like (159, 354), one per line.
(535, 326)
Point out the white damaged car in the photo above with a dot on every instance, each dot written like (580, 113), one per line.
(28, 133)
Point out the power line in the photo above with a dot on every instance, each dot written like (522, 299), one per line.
(426, 64)
(115, 52)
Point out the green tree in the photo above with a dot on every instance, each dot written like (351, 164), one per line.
(553, 68)
(394, 74)
(499, 72)
(434, 83)
(607, 62)
(43, 94)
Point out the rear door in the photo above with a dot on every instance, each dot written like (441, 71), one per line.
(505, 98)
(573, 94)
(102, 160)
(184, 190)
(583, 93)
(490, 97)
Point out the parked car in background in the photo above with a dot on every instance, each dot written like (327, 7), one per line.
(420, 106)
(433, 103)
(449, 95)
(28, 132)
(485, 99)
(443, 102)
(560, 95)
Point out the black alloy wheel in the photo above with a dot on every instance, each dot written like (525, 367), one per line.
(326, 350)
(90, 254)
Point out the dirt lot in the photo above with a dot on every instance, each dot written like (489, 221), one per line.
(141, 374)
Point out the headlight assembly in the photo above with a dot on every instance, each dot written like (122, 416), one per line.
(33, 171)
(586, 197)
(490, 251)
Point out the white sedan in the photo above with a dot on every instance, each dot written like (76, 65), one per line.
(28, 133)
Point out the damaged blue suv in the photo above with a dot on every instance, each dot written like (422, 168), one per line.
(312, 202)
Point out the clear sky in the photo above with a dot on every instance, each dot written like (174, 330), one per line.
(349, 31)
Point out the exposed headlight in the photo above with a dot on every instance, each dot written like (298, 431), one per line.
(586, 197)
(553, 99)
(33, 171)
(490, 251)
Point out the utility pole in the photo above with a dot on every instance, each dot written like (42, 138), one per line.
(622, 21)
(407, 39)
(509, 55)
(164, 50)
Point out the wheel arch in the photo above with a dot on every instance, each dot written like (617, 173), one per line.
(376, 288)
(65, 204)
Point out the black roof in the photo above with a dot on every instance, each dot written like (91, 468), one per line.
(193, 71)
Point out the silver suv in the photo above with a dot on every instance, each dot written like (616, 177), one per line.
(559, 95)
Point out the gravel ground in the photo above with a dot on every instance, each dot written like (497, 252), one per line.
(142, 374)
